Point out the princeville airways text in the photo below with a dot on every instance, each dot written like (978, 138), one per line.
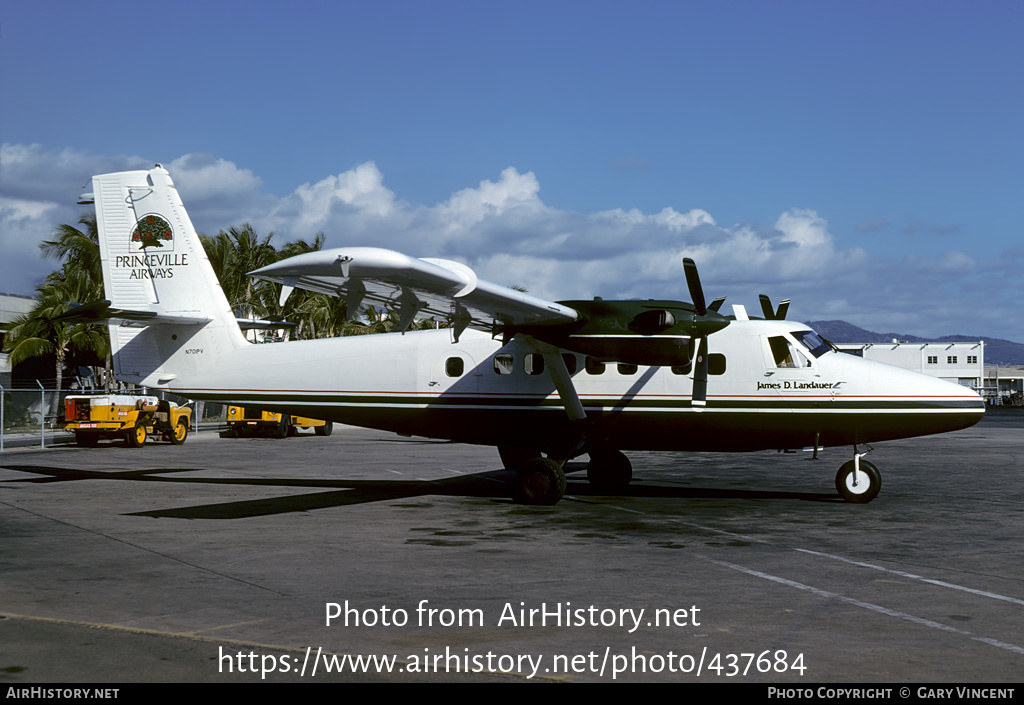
(157, 266)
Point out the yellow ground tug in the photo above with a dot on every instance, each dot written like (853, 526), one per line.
(244, 421)
(131, 418)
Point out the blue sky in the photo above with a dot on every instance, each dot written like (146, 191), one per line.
(865, 159)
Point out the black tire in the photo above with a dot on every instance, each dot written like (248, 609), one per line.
(136, 437)
(324, 430)
(540, 481)
(283, 427)
(867, 487)
(609, 471)
(180, 432)
(86, 439)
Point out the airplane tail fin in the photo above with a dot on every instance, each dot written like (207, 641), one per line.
(167, 313)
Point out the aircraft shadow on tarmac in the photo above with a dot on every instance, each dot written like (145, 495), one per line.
(492, 484)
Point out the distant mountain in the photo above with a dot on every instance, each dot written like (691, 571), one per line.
(997, 350)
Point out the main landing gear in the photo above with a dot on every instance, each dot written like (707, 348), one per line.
(609, 471)
(541, 480)
(858, 481)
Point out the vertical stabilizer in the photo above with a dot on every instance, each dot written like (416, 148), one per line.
(155, 268)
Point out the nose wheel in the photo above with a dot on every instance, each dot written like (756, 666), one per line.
(858, 485)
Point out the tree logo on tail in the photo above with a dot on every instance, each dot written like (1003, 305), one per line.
(152, 231)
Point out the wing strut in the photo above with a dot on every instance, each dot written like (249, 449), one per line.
(555, 365)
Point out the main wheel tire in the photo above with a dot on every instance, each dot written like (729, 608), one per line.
(136, 437)
(867, 486)
(324, 430)
(540, 481)
(86, 440)
(180, 432)
(609, 471)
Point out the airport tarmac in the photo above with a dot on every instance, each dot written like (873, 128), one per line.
(193, 563)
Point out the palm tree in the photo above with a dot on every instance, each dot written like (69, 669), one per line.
(233, 254)
(39, 332)
(79, 280)
(79, 254)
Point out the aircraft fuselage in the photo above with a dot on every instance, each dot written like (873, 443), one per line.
(478, 391)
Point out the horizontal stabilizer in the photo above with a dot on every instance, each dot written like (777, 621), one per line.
(424, 288)
(263, 324)
(102, 311)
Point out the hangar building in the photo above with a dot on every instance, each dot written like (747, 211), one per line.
(11, 306)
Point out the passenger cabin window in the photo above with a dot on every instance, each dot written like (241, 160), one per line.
(533, 364)
(594, 367)
(786, 354)
(454, 367)
(716, 364)
(627, 369)
(503, 364)
(683, 369)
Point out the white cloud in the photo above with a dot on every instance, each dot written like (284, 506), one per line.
(490, 199)
(38, 191)
(803, 227)
(202, 176)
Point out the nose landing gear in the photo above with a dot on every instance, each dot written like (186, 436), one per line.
(858, 481)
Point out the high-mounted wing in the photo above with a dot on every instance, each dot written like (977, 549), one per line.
(427, 288)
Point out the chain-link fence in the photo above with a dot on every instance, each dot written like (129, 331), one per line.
(36, 417)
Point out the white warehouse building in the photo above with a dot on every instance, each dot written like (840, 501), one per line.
(963, 363)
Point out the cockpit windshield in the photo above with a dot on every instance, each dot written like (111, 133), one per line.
(812, 341)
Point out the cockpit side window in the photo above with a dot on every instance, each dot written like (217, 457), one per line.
(786, 353)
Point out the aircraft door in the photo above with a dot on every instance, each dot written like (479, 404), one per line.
(455, 372)
(792, 372)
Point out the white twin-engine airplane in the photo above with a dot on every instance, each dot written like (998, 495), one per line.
(542, 381)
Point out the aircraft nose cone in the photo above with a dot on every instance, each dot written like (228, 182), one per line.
(954, 405)
(959, 391)
(905, 403)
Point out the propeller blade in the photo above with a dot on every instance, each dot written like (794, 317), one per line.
(693, 283)
(780, 315)
(716, 304)
(700, 375)
(770, 314)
